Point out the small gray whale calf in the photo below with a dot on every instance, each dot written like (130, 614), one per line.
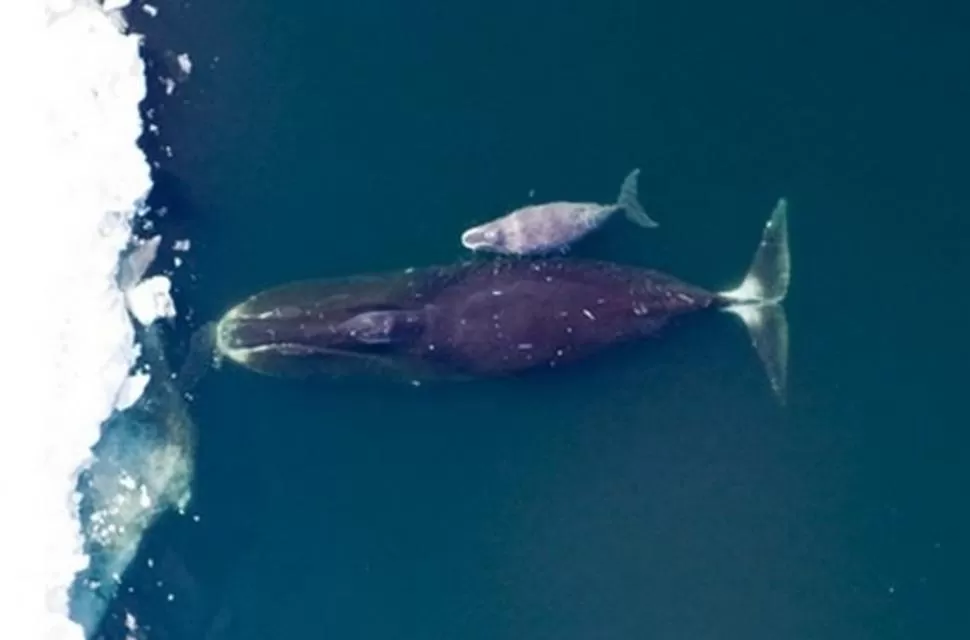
(553, 226)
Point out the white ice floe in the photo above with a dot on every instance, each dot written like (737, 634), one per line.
(73, 181)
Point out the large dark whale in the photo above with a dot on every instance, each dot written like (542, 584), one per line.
(495, 317)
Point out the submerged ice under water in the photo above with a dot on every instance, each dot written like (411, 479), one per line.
(142, 468)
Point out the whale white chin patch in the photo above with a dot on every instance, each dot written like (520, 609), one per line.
(483, 237)
(474, 238)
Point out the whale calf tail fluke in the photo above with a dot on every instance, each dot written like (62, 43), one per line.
(758, 299)
(629, 201)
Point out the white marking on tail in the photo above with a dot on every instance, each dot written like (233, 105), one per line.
(757, 300)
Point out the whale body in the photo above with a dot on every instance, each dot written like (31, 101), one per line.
(498, 317)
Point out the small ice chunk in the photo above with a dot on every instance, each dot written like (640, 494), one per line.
(182, 245)
(185, 63)
(151, 299)
(144, 499)
(114, 5)
(133, 268)
(131, 390)
(150, 9)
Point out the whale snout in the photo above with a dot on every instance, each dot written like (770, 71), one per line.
(482, 237)
(473, 238)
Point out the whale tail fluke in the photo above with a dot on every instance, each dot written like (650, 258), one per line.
(758, 299)
(629, 201)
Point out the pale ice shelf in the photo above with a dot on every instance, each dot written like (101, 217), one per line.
(74, 182)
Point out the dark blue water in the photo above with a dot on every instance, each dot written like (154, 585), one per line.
(657, 492)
